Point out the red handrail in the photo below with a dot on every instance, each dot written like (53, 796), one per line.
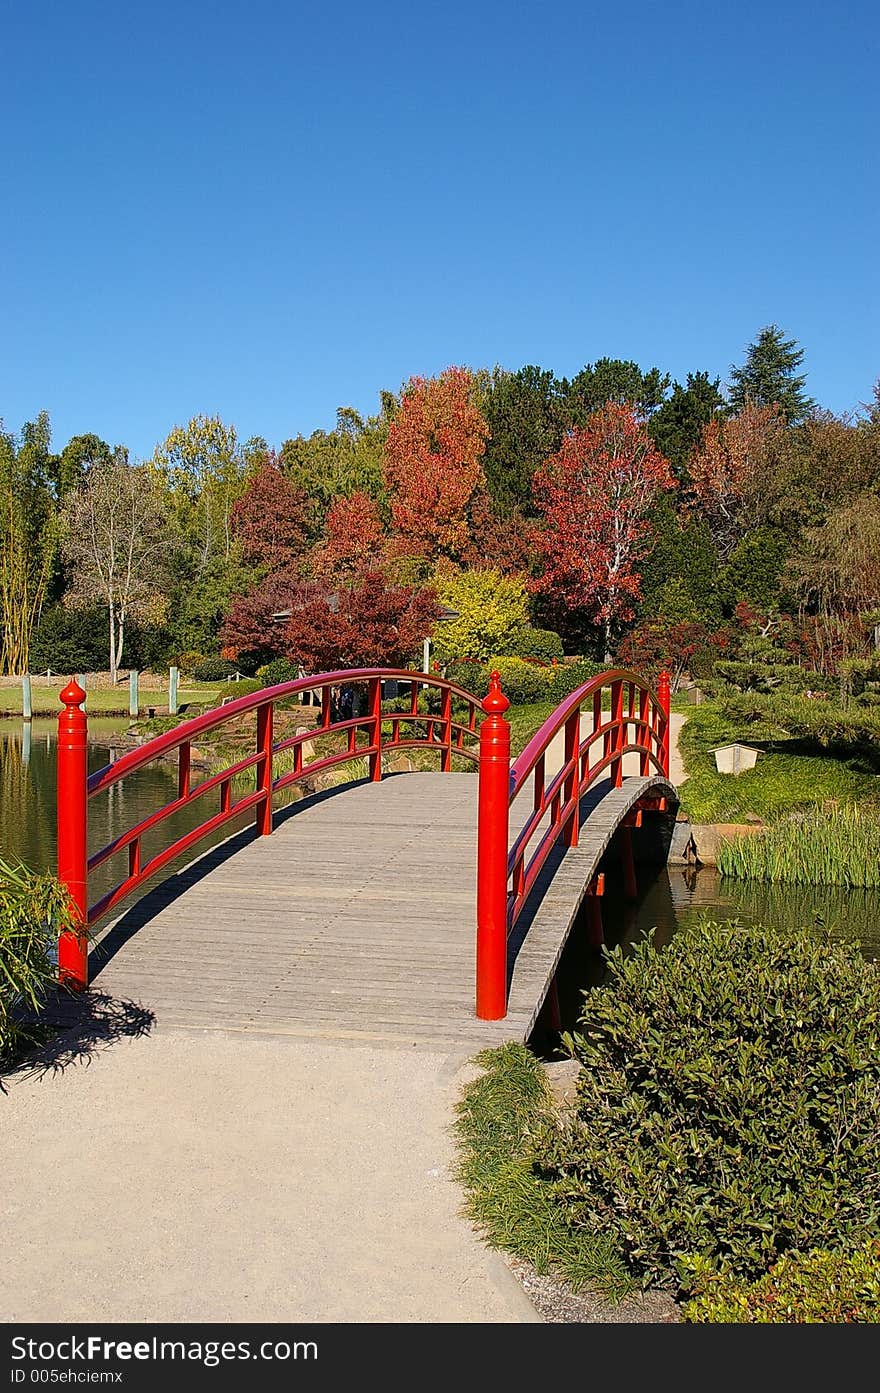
(638, 723)
(441, 731)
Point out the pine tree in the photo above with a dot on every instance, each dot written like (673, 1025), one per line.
(769, 377)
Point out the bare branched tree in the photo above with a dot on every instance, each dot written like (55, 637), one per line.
(119, 544)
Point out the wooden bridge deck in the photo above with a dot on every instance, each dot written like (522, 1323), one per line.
(356, 918)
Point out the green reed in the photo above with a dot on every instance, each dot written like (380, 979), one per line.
(836, 847)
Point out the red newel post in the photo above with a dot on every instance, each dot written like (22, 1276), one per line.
(72, 832)
(492, 849)
(663, 694)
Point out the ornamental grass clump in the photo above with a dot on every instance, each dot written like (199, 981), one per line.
(33, 907)
(838, 847)
(728, 1104)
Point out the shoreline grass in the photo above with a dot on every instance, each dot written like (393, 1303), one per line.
(840, 846)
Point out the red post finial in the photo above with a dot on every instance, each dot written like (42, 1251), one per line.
(495, 702)
(73, 694)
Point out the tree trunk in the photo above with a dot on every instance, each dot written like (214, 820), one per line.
(112, 613)
(120, 631)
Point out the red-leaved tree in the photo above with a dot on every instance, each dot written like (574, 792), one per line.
(433, 470)
(250, 634)
(355, 539)
(594, 496)
(367, 623)
(727, 469)
(270, 519)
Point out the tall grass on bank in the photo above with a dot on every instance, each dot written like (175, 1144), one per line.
(33, 908)
(837, 847)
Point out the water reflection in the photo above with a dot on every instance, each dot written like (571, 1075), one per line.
(28, 792)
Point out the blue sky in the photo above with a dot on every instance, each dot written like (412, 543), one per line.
(268, 210)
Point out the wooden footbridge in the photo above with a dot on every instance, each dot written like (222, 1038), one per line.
(425, 908)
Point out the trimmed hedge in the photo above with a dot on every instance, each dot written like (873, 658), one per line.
(213, 670)
(728, 1104)
(541, 644)
(244, 687)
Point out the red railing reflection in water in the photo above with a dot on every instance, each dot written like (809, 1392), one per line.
(594, 745)
(450, 730)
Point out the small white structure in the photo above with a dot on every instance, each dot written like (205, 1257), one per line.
(733, 759)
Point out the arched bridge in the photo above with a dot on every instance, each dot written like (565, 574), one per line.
(421, 906)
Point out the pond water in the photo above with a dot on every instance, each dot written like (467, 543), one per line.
(28, 769)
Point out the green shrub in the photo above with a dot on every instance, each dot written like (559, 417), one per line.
(801, 1289)
(473, 677)
(767, 677)
(244, 687)
(279, 670)
(542, 644)
(521, 682)
(565, 679)
(33, 907)
(213, 670)
(492, 610)
(189, 660)
(728, 1105)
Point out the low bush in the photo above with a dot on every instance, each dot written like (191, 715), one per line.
(279, 670)
(244, 687)
(33, 908)
(728, 1104)
(541, 644)
(767, 677)
(213, 670)
(189, 660)
(521, 682)
(565, 679)
(801, 1289)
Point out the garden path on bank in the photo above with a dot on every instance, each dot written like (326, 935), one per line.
(206, 1176)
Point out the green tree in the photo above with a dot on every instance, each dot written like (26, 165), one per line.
(119, 547)
(202, 462)
(524, 413)
(770, 377)
(683, 554)
(327, 465)
(677, 425)
(69, 468)
(28, 538)
(616, 380)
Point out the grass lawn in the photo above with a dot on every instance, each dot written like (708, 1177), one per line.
(107, 702)
(789, 774)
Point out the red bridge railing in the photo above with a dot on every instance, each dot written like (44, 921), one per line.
(450, 730)
(594, 743)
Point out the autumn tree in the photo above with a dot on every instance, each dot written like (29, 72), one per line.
(355, 539)
(727, 471)
(433, 465)
(269, 519)
(769, 377)
(118, 544)
(595, 495)
(368, 622)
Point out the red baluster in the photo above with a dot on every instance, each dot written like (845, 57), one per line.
(72, 835)
(665, 701)
(492, 847)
